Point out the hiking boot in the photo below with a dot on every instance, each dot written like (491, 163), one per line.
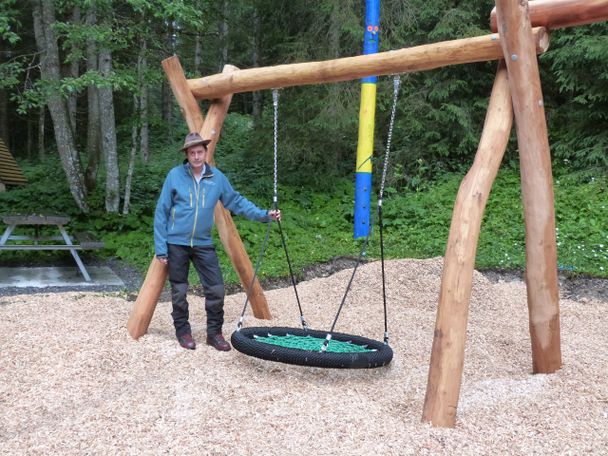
(218, 342)
(186, 341)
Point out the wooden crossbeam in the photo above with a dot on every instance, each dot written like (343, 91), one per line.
(554, 14)
(418, 58)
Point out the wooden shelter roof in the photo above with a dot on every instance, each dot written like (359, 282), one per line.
(10, 173)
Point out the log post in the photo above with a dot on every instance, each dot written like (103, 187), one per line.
(418, 58)
(447, 355)
(143, 309)
(555, 14)
(537, 184)
(187, 103)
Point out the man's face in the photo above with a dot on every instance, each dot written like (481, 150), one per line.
(196, 156)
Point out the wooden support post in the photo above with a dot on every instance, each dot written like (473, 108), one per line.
(537, 184)
(418, 58)
(143, 309)
(447, 356)
(144, 306)
(562, 13)
(179, 86)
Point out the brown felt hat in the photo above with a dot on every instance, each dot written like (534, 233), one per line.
(194, 139)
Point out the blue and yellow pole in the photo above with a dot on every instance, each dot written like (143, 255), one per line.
(367, 112)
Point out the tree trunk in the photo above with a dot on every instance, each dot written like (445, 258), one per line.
(44, 18)
(74, 73)
(3, 116)
(447, 355)
(108, 133)
(223, 35)
(93, 129)
(4, 55)
(143, 104)
(127, 200)
(256, 109)
(41, 121)
(198, 47)
(333, 39)
(138, 102)
(166, 95)
(30, 140)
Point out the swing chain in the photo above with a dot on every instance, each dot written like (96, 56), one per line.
(275, 104)
(396, 83)
(275, 199)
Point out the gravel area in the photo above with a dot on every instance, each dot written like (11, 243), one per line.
(73, 382)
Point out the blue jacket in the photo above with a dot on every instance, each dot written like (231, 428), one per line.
(184, 212)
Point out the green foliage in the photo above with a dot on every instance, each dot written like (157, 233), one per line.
(8, 21)
(579, 111)
(581, 212)
(318, 225)
(9, 74)
(10, 69)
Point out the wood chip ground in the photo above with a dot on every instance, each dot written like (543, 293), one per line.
(73, 382)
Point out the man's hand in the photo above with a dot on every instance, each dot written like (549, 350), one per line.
(275, 214)
(163, 260)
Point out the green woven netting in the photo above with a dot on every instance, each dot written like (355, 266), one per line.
(311, 343)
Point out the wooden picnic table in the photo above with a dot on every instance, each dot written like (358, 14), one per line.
(83, 240)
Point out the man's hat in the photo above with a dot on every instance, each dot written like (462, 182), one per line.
(194, 139)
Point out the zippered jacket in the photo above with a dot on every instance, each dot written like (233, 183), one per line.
(184, 212)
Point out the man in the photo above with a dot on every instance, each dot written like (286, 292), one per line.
(182, 233)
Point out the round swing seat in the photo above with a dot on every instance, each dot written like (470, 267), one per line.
(302, 347)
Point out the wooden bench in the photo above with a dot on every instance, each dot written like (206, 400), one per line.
(81, 241)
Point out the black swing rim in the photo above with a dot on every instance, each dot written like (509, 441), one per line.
(243, 340)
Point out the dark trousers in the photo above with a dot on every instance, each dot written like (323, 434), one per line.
(208, 268)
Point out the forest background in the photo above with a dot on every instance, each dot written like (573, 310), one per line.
(87, 112)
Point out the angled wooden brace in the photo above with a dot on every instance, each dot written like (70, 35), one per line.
(210, 127)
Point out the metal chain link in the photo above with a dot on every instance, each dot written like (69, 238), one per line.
(275, 104)
(396, 83)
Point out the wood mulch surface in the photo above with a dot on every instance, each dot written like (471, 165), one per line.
(73, 382)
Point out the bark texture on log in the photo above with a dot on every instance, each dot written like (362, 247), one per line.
(447, 355)
(419, 58)
(143, 309)
(536, 183)
(554, 14)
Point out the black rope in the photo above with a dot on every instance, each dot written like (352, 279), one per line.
(291, 274)
(255, 274)
(380, 226)
(350, 282)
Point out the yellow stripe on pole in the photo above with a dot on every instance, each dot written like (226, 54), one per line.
(365, 145)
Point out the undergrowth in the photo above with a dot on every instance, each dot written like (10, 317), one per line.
(318, 225)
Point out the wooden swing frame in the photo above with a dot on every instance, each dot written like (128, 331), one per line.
(523, 33)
